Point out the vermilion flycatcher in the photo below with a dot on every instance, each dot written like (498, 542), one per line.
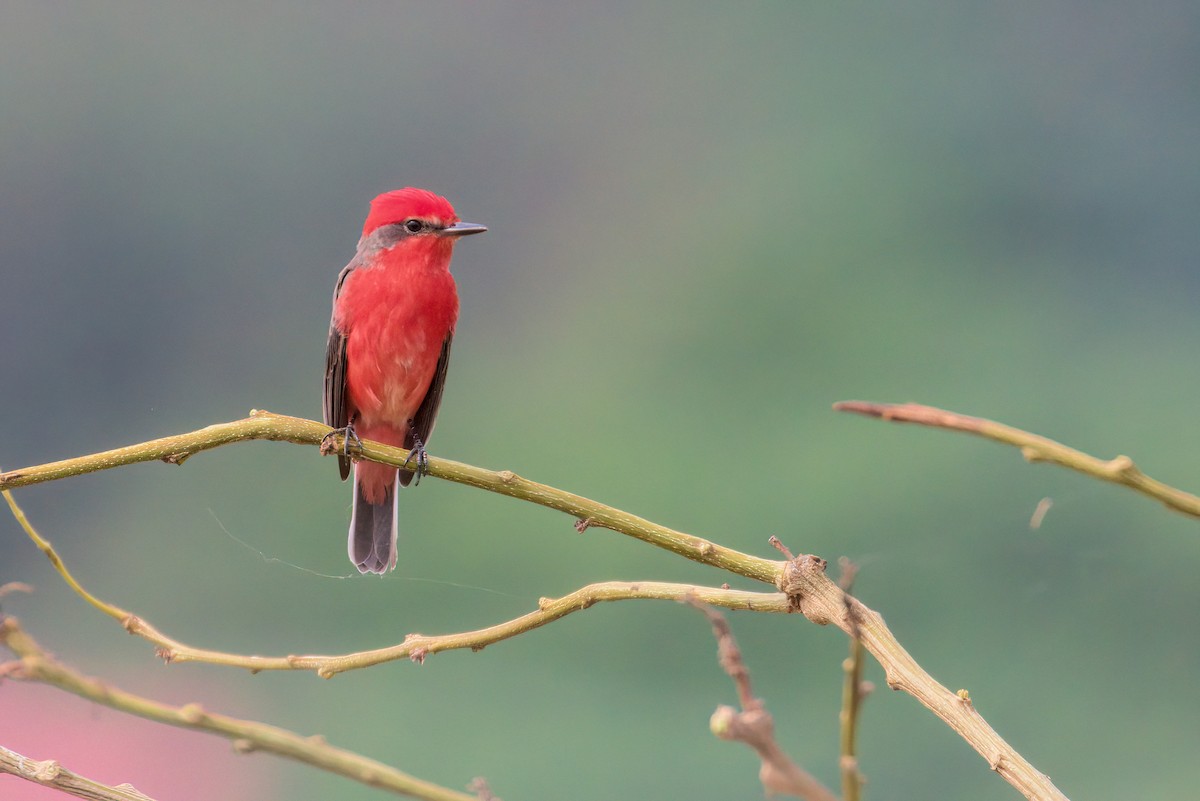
(394, 310)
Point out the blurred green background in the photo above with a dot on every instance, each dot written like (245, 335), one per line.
(708, 223)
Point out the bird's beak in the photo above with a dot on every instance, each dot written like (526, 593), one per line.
(461, 229)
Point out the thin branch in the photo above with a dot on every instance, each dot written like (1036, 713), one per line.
(46, 548)
(280, 428)
(1120, 470)
(854, 690)
(415, 646)
(49, 773)
(753, 725)
(247, 736)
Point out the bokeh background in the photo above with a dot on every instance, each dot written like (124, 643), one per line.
(708, 223)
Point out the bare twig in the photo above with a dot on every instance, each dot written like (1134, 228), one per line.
(49, 773)
(1120, 470)
(247, 736)
(46, 548)
(415, 646)
(854, 690)
(753, 725)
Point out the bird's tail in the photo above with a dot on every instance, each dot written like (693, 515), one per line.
(373, 530)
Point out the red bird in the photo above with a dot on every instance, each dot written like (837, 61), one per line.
(394, 310)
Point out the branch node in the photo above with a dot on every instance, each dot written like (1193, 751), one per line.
(418, 655)
(507, 476)
(167, 655)
(583, 524)
(1123, 467)
(797, 576)
(964, 698)
(243, 746)
(46, 771)
(175, 458)
(192, 713)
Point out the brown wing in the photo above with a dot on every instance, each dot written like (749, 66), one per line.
(334, 406)
(426, 414)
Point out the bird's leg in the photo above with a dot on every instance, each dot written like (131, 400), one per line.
(348, 433)
(351, 434)
(417, 451)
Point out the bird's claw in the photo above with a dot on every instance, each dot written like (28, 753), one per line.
(422, 459)
(348, 434)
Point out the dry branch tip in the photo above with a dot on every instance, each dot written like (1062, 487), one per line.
(778, 545)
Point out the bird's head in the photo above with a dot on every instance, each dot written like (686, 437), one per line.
(411, 213)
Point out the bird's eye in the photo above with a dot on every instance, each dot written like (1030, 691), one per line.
(413, 226)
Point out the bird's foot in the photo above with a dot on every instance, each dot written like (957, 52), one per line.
(418, 455)
(348, 434)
